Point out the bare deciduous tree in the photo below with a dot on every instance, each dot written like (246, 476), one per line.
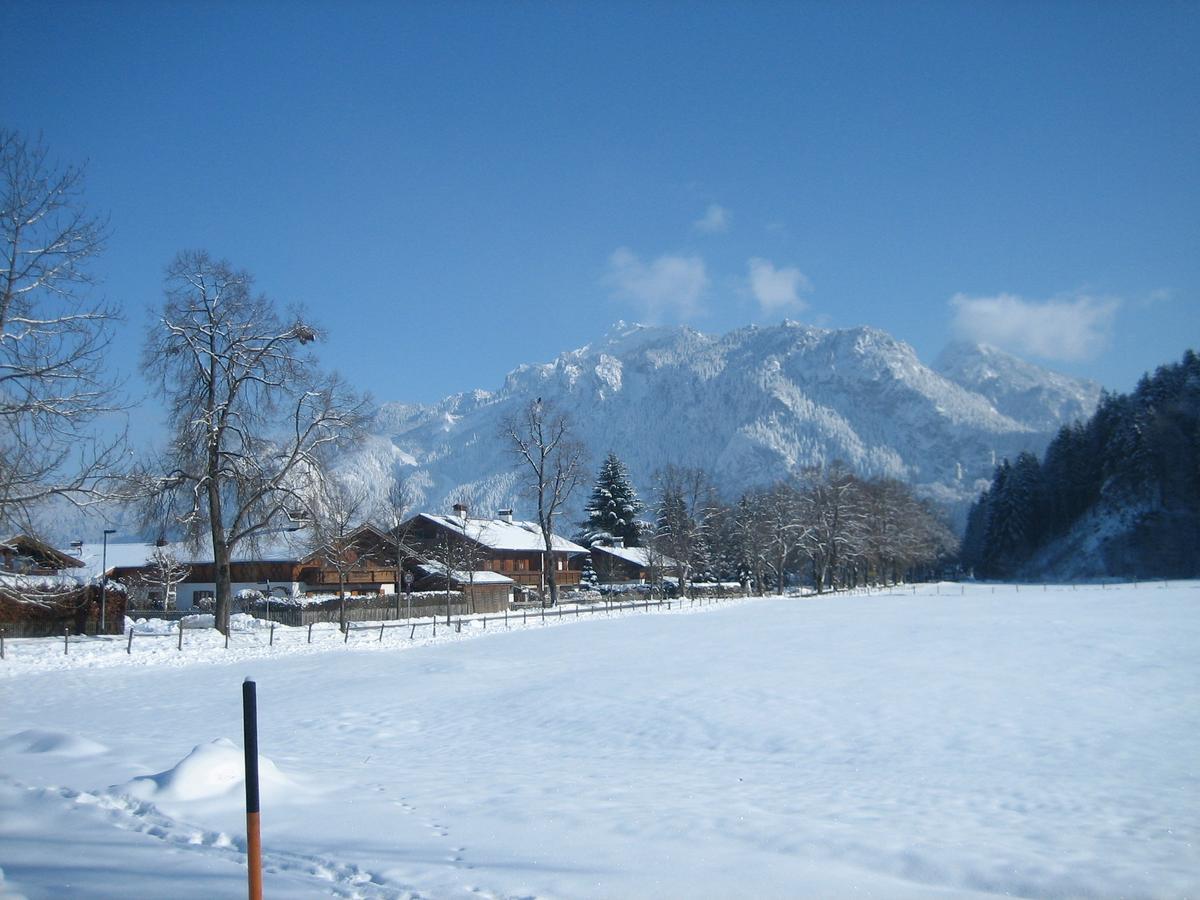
(460, 553)
(251, 415)
(833, 520)
(54, 373)
(750, 527)
(551, 465)
(687, 506)
(335, 511)
(163, 573)
(394, 513)
(656, 563)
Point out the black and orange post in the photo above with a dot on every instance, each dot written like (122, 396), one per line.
(253, 836)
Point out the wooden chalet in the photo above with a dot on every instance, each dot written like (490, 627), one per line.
(27, 555)
(367, 561)
(44, 591)
(365, 564)
(617, 564)
(501, 545)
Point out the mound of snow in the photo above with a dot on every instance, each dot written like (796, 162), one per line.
(210, 771)
(151, 626)
(57, 743)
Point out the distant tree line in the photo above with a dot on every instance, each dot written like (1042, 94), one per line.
(1138, 452)
(825, 527)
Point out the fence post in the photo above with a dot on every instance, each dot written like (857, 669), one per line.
(381, 632)
(66, 631)
(310, 625)
(346, 639)
(524, 616)
(129, 646)
(227, 630)
(253, 833)
(412, 634)
(435, 626)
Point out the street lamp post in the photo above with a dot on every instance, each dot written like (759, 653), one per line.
(104, 579)
(286, 530)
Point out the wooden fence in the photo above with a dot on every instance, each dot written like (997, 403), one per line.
(387, 609)
(377, 629)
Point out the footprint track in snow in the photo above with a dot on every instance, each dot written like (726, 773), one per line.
(129, 814)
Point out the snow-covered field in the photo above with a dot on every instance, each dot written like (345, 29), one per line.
(1031, 743)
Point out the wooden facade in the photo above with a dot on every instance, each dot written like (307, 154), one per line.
(620, 564)
(523, 564)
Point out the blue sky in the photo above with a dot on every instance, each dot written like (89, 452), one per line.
(456, 188)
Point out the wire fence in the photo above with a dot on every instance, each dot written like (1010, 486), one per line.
(184, 633)
(410, 629)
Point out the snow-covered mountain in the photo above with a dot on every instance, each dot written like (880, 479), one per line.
(750, 406)
(1019, 389)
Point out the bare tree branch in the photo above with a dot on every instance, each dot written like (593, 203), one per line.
(55, 377)
(550, 463)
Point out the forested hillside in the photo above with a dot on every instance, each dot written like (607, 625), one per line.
(1116, 495)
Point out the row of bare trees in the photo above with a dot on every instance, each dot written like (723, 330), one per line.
(826, 527)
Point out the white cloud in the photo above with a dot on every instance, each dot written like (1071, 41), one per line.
(668, 286)
(777, 289)
(714, 221)
(1073, 328)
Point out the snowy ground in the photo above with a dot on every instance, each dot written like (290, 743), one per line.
(1032, 743)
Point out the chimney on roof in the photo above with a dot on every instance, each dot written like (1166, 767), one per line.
(460, 510)
(618, 543)
(506, 516)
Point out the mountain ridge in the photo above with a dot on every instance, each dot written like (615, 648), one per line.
(751, 406)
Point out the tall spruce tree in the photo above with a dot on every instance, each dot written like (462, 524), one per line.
(613, 509)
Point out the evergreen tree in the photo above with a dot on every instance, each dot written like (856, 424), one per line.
(614, 506)
(975, 538)
(1138, 452)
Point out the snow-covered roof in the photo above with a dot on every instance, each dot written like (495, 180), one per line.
(27, 544)
(636, 555)
(483, 576)
(501, 534)
(131, 554)
(35, 583)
